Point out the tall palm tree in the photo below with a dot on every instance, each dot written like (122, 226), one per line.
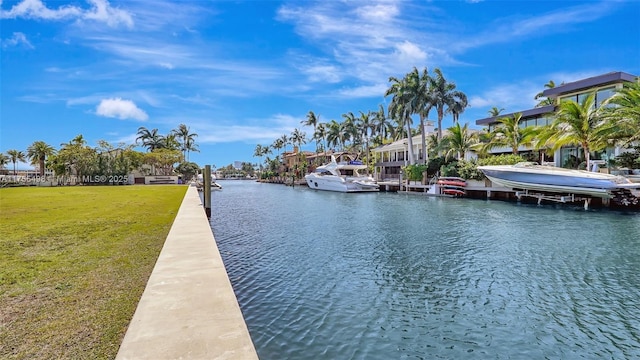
(4, 160)
(278, 144)
(149, 138)
(494, 111)
(443, 94)
(261, 151)
(576, 124)
(366, 126)
(421, 102)
(622, 112)
(312, 120)
(459, 140)
(320, 134)
(510, 134)
(457, 106)
(401, 106)
(38, 152)
(170, 142)
(334, 134)
(382, 127)
(545, 101)
(14, 157)
(285, 141)
(298, 137)
(186, 139)
(349, 130)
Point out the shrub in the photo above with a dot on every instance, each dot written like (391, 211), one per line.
(414, 172)
(504, 159)
(469, 170)
(450, 169)
(630, 160)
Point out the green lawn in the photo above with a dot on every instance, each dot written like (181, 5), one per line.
(74, 262)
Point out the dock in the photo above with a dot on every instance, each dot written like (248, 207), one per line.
(188, 309)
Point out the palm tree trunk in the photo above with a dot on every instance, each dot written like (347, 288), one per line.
(410, 142)
(585, 148)
(424, 140)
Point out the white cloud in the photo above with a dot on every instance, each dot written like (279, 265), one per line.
(103, 12)
(17, 39)
(122, 109)
(376, 90)
(511, 97)
(100, 11)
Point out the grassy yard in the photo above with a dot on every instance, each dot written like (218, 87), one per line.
(74, 262)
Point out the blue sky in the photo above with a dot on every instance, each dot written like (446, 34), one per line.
(242, 73)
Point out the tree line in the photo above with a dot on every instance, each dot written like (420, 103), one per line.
(584, 125)
(78, 159)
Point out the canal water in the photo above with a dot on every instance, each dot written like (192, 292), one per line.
(323, 275)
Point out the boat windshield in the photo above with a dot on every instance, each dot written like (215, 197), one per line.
(525, 164)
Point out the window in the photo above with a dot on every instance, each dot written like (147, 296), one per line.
(604, 94)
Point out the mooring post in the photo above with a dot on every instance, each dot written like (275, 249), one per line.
(207, 190)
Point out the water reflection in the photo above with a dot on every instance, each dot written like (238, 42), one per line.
(358, 276)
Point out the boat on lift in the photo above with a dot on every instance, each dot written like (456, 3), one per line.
(534, 177)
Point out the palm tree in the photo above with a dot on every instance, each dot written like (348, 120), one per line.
(261, 151)
(320, 134)
(4, 160)
(278, 144)
(443, 94)
(349, 130)
(365, 125)
(149, 138)
(38, 152)
(546, 101)
(312, 120)
(457, 107)
(285, 141)
(494, 111)
(382, 127)
(186, 139)
(170, 142)
(510, 134)
(459, 140)
(622, 112)
(576, 124)
(334, 136)
(14, 157)
(298, 137)
(401, 108)
(422, 103)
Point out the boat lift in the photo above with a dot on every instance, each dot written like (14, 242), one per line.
(560, 198)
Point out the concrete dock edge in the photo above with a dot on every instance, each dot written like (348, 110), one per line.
(188, 309)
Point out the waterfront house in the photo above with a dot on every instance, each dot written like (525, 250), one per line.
(603, 86)
(390, 158)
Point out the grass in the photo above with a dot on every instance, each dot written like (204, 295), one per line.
(74, 262)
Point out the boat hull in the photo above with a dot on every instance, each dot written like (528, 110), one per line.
(335, 183)
(556, 180)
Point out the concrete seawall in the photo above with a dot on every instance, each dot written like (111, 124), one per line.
(188, 309)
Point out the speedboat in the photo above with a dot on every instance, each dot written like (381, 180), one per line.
(342, 177)
(531, 176)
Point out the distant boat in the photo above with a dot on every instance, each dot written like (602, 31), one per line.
(530, 176)
(199, 183)
(341, 177)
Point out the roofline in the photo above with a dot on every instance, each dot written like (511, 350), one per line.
(605, 79)
(525, 114)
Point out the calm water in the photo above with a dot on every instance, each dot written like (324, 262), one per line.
(323, 275)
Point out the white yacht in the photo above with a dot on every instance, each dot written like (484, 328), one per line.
(342, 177)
